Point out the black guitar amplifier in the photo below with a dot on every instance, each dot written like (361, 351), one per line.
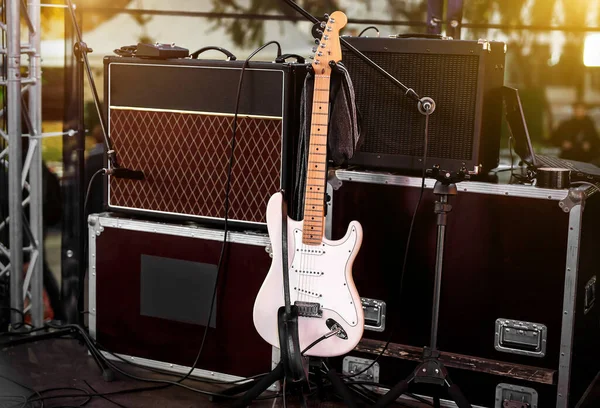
(463, 77)
(173, 120)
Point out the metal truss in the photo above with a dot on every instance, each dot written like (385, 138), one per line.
(23, 259)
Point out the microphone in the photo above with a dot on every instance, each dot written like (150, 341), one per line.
(120, 172)
(426, 105)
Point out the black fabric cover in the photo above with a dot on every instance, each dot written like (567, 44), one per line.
(344, 133)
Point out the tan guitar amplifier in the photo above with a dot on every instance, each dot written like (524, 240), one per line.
(172, 119)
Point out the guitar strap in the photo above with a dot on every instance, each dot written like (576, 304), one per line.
(285, 254)
(288, 315)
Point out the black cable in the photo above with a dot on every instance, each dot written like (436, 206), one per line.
(521, 179)
(22, 386)
(283, 396)
(314, 343)
(223, 247)
(85, 202)
(12, 309)
(419, 399)
(512, 160)
(178, 383)
(226, 210)
(363, 392)
(18, 325)
(23, 333)
(158, 371)
(102, 396)
(86, 394)
(408, 239)
(126, 51)
(507, 169)
(227, 192)
(369, 28)
(87, 194)
(320, 339)
(121, 392)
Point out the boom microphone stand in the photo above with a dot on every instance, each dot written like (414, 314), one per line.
(75, 249)
(424, 105)
(431, 370)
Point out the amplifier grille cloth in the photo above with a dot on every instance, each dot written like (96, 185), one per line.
(185, 159)
(393, 124)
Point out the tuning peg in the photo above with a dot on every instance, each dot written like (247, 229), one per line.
(320, 32)
(326, 16)
(311, 57)
(314, 49)
(317, 41)
(323, 24)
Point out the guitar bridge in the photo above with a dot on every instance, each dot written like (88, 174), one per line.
(308, 309)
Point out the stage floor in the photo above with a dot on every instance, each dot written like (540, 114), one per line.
(65, 363)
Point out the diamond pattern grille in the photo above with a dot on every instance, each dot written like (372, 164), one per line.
(185, 159)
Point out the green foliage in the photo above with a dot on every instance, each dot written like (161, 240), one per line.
(52, 149)
(250, 32)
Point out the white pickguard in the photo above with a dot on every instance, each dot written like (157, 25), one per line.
(318, 274)
(334, 288)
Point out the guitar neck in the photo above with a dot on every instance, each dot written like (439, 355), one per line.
(314, 195)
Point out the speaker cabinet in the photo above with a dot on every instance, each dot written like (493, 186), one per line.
(464, 78)
(173, 120)
(151, 291)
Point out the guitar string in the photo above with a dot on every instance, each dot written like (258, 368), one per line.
(307, 285)
(310, 155)
(322, 84)
(326, 83)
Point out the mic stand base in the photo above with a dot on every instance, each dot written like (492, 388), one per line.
(107, 373)
(431, 370)
(254, 388)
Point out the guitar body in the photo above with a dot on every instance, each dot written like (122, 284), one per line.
(320, 277)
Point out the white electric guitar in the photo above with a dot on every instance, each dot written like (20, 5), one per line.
(320, 270)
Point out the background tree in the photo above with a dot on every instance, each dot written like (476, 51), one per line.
(250, 32)
(53, 17)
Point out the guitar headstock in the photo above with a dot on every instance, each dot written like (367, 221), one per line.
(329, 49)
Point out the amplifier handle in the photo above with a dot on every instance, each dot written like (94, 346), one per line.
(284, 57)
(416, 35)
(230, 56)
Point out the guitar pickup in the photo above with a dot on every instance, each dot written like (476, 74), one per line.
(308, 309)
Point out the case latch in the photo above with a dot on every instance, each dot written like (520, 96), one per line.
(518, 337)
(374, 311)
(589, 297)
(368, 369)
(513, 396)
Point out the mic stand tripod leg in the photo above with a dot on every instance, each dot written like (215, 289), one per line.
(431, 370)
